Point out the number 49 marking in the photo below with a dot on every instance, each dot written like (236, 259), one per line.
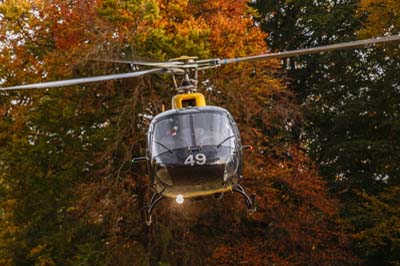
(199, 159)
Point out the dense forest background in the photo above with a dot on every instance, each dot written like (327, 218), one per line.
(325, 130)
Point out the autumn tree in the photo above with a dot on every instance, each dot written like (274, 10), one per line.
(377, 238)
(71, 196)
(351, 100)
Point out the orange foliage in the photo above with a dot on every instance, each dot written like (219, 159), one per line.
(381, 17)
(296, 223)
(229, 20)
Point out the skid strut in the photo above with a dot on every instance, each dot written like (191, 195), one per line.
(153, 202)
(250, 200)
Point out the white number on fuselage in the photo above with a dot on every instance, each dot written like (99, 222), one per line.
(199, 159)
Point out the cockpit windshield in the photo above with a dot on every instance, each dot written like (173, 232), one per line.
(193, 129)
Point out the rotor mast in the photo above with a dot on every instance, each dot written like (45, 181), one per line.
(190, 72)
(189, 67)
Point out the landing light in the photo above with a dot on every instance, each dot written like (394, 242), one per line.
(179, 199)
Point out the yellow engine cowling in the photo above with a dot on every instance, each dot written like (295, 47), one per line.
(192, 99)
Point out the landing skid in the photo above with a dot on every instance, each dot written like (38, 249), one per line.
(158, 196)
(148, 209)
(250, 200)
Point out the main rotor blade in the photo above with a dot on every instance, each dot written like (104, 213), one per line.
(140, 63)
(69, 82)
(315, 50)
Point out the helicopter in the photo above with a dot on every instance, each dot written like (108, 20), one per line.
(194, 150)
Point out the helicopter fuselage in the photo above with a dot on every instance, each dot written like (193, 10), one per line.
(194, 152)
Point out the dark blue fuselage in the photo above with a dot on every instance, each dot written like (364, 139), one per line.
(194, 152)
